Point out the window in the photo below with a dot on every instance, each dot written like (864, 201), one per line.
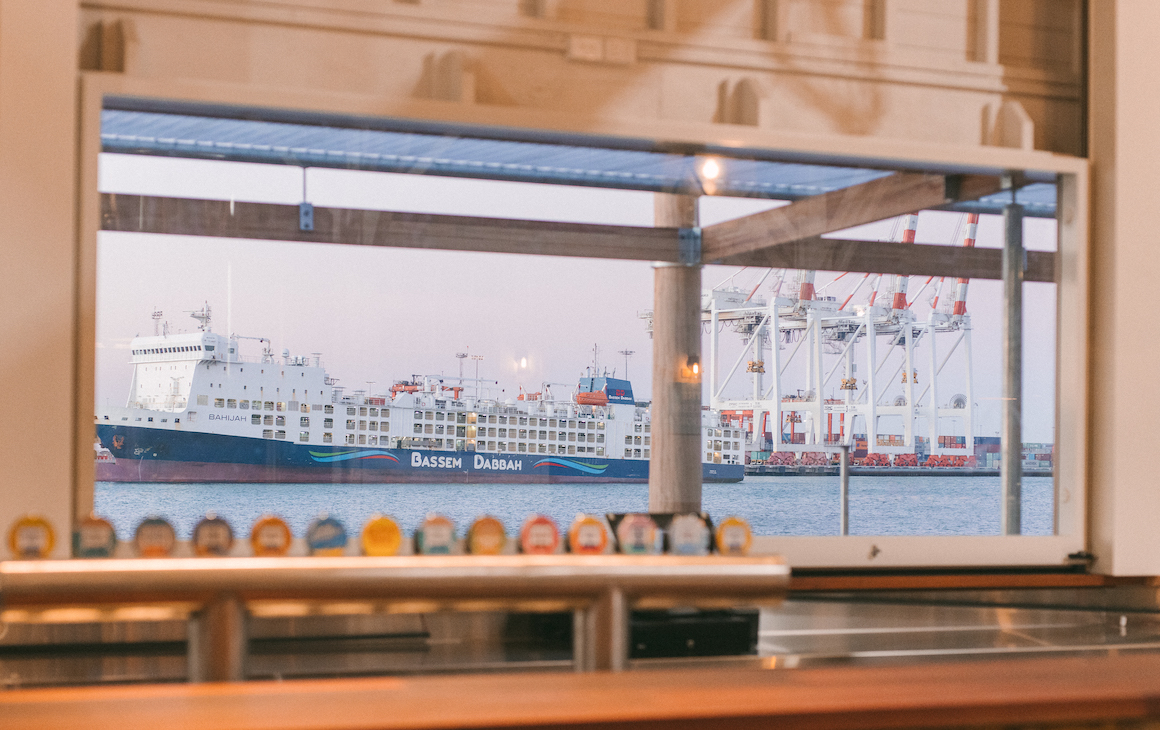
(231, 403)
(281, 405)
(328, 423)
(304, 436)
(571, 449)
(375, 412)
(327, 437)
(304, 422)
(268, 434)
(328, 409)
(268, 420)
(219, 402)
(256, 419)
(305, 408)
(373, 426)
(362, 411)
(418, 427)
(372, 440)
(429, 416)
(352, 411)
(350, 424)
(244, 405)
(362, 438)
(428, 428)
(385, 426)
(523, 447)
(269, 405)
(362, 425)
(350, 439)
(523, 433)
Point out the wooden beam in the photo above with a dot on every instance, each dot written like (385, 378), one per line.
(886, 197)
(225, 219)
(879, 257)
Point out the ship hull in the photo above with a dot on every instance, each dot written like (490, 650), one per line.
(158, 455)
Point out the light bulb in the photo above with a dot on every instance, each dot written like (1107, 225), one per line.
(710, 170)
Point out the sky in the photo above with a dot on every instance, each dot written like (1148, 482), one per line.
(378, 315)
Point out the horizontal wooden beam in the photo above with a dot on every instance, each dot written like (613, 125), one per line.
(879, 257)
(225, 219)
(886, 197)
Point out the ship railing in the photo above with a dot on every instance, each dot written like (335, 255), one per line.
(218, 593)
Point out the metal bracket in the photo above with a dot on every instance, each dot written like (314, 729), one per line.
(305, 217)
(689, 246)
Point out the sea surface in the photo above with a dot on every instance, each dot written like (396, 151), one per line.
(936, 505)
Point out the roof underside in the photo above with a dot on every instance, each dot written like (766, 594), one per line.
(407, 147)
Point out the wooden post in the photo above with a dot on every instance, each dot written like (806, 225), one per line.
(674, 482)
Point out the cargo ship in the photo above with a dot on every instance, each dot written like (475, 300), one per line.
(198, 411)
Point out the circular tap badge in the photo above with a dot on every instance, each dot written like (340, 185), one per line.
(326, 536)
(381, 536)
(539, 535)
(270, 537)
(486, 536)
(154, 538)
(31, 537)
(94, 538)
(436, 536)
(213, 536)
(637, 535)
(587, 535)
(733, 536)
(688, 535)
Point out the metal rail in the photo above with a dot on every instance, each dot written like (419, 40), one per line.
(601, 588)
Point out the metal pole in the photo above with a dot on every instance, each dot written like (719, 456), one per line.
(844, 481)
(217, 641)
(608, 638)
(1011, 467)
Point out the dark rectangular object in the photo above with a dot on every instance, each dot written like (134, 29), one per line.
(680, 633)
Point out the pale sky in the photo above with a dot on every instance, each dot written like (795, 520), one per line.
(382, 314)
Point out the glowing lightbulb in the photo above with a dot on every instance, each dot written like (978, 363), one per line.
(523, 362)
(710, 170)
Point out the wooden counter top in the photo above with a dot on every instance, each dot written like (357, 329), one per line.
(1038, 691)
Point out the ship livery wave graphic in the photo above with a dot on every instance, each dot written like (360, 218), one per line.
(578, 466)
(325, 457)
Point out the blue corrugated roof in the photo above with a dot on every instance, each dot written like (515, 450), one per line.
(409, 151)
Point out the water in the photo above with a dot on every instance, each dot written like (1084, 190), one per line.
(773, 505)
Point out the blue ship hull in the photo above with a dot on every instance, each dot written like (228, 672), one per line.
(156, 455)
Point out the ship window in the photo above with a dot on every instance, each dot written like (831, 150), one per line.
(438, 415)
(523, 421)
(362, 411)
(280, 421)
(636, 453)
(571, 424)
(203, 400)
(628, 440)
(231, 403)
(523, 433)
(304, 422)
(269, 405)
(523, 447)
(646, 440)
(503, 433)
(303, 435)
(375, 412)
(244, 405)
(327, 438)
(350, 424)
(165, 420)
(281, 405)
(636, 428)
(362, 425)
(373, 426)
(646, 428)
(429, 416)
(716, 444)
(551, 435)
(328, 409)
(351, 411)
(256, 419)
(717, 457)
(428, 428)
(491, 432)
(305, 408)
(328, 423)
(268, 420)
(460, 430)
(362, 438)
(209, 348)
(543, 435)
(571, 449)
(571, 436)
(471, 418)
(192, 416)
(373, 441)
(461, 418)
(501, 446)
(219, 402)
(627, 453)
(503, 419)
(600, 438)
(350, 439)
(600, 426)
(491, 419)
(591, 438)
(385, 426)
(543, 448)
(268, 433)
(552, 422)
(418, 427)
(491, 446)
(646, 455)
(126, 418)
